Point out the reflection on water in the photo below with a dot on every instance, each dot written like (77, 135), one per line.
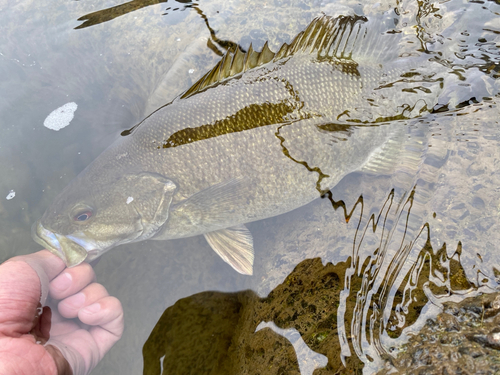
(364, 309)
(395, 289)
(109, 14)
(307, 359)
(357, 274)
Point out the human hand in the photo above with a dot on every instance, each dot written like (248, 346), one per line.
(86, 323)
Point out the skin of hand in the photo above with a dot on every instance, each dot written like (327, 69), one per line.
(68, 339)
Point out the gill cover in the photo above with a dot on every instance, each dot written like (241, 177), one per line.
(150, 195)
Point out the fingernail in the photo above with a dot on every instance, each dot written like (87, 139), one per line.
(92, 309)
(63, 282)
(76, 301)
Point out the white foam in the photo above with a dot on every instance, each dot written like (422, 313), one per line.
(60, 117)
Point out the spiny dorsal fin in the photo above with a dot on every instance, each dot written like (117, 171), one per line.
(330, 38)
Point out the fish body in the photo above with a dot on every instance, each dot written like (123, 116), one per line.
(259, 135)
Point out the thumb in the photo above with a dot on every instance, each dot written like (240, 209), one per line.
(46, 265)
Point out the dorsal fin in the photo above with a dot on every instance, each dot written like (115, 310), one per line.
(329, 38)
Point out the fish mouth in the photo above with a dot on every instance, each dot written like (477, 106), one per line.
(69, 251)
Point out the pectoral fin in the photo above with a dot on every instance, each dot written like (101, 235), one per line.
(213, 204)
(235, 246)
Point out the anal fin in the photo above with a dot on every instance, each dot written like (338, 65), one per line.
(235, 246)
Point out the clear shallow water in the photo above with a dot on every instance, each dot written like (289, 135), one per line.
(131, 60)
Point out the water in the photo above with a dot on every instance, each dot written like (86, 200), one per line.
(401, 244)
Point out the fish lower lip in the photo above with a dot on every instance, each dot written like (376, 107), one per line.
(47, 239)
(69, 251)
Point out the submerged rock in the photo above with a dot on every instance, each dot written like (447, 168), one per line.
(463, 339)
(220, 333)
(215, 333)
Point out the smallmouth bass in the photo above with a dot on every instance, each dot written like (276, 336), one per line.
(259, 135)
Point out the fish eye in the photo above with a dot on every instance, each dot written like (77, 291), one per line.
(83, 216)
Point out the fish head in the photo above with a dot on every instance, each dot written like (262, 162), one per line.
(92, 215)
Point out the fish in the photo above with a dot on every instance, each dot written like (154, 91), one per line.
(259, 135)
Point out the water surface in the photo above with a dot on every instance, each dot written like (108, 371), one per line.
(403, 242)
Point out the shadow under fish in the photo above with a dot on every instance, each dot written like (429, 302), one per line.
(259, 135)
